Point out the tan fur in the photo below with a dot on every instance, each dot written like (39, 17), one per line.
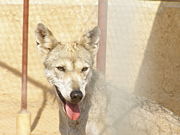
(103, 110)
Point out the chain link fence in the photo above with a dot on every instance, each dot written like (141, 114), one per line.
(142, 54)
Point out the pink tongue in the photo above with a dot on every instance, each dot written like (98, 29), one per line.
(72, 111)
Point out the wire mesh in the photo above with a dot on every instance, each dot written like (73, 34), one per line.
(68, 20)
(134, 56)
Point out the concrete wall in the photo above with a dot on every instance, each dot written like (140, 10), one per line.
(143, 49)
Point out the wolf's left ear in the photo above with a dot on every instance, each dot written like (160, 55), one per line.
(91, 40)
(44, 39)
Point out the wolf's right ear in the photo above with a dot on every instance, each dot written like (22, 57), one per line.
(90, 40)
(45, 40)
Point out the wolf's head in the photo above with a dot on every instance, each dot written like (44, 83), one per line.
(68, 66)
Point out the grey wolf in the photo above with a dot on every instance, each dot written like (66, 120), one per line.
(83, 94)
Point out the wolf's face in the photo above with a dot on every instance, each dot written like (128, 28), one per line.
(68, 66)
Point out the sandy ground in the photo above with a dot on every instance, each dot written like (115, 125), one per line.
(44, 115)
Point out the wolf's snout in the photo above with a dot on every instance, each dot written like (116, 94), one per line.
(76, 96)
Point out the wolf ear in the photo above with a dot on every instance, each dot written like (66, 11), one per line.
(90, 40)
(44, 39)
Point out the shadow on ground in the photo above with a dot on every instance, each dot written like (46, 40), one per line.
(45, 90)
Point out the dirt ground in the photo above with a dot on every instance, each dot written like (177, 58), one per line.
(44, 113)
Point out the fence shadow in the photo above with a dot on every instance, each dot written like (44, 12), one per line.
(46, 90)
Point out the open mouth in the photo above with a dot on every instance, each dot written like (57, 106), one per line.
(71, 110)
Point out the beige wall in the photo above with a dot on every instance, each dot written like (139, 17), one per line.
(143, 54)
(52, 2)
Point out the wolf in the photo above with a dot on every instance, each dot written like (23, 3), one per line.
(84, 97)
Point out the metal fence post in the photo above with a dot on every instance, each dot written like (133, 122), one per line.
(23, 118)
(102, 23)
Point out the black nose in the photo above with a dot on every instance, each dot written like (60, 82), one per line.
(76, 96)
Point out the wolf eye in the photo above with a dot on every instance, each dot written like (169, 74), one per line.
(61, 68)
(84, 69)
